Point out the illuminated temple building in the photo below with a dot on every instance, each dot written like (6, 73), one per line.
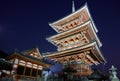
(27, 64)
(78, 45)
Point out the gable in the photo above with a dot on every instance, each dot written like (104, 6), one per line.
(33, 52)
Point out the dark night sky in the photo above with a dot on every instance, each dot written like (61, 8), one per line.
(24, 24)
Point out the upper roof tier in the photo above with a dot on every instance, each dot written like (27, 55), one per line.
(84, 31)
(76, 18)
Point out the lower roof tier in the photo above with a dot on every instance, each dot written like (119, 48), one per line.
(89, 53)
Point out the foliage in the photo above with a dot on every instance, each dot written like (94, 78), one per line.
(69, 70)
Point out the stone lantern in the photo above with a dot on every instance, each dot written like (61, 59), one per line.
(113, 74)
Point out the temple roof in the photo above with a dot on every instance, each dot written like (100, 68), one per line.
(28, 58)
(77, 29)
(91, 46)
(71, 17)
(32, 50)
(63, 34)
(63, 20)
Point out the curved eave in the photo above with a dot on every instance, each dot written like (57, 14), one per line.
(71, 50)
(66, 17)
(97, 39)
(68, 31)
(92, 46)
(59, 35)
(100, 54)
(49, 40)
(95, 28)
(72, 14)
(17, 55)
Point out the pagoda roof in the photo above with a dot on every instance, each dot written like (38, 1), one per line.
(73, 31)
(72, 16)
(63, 34)
(91, 46)
(28, 58)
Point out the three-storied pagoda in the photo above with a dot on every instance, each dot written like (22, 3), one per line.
(77, 42)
